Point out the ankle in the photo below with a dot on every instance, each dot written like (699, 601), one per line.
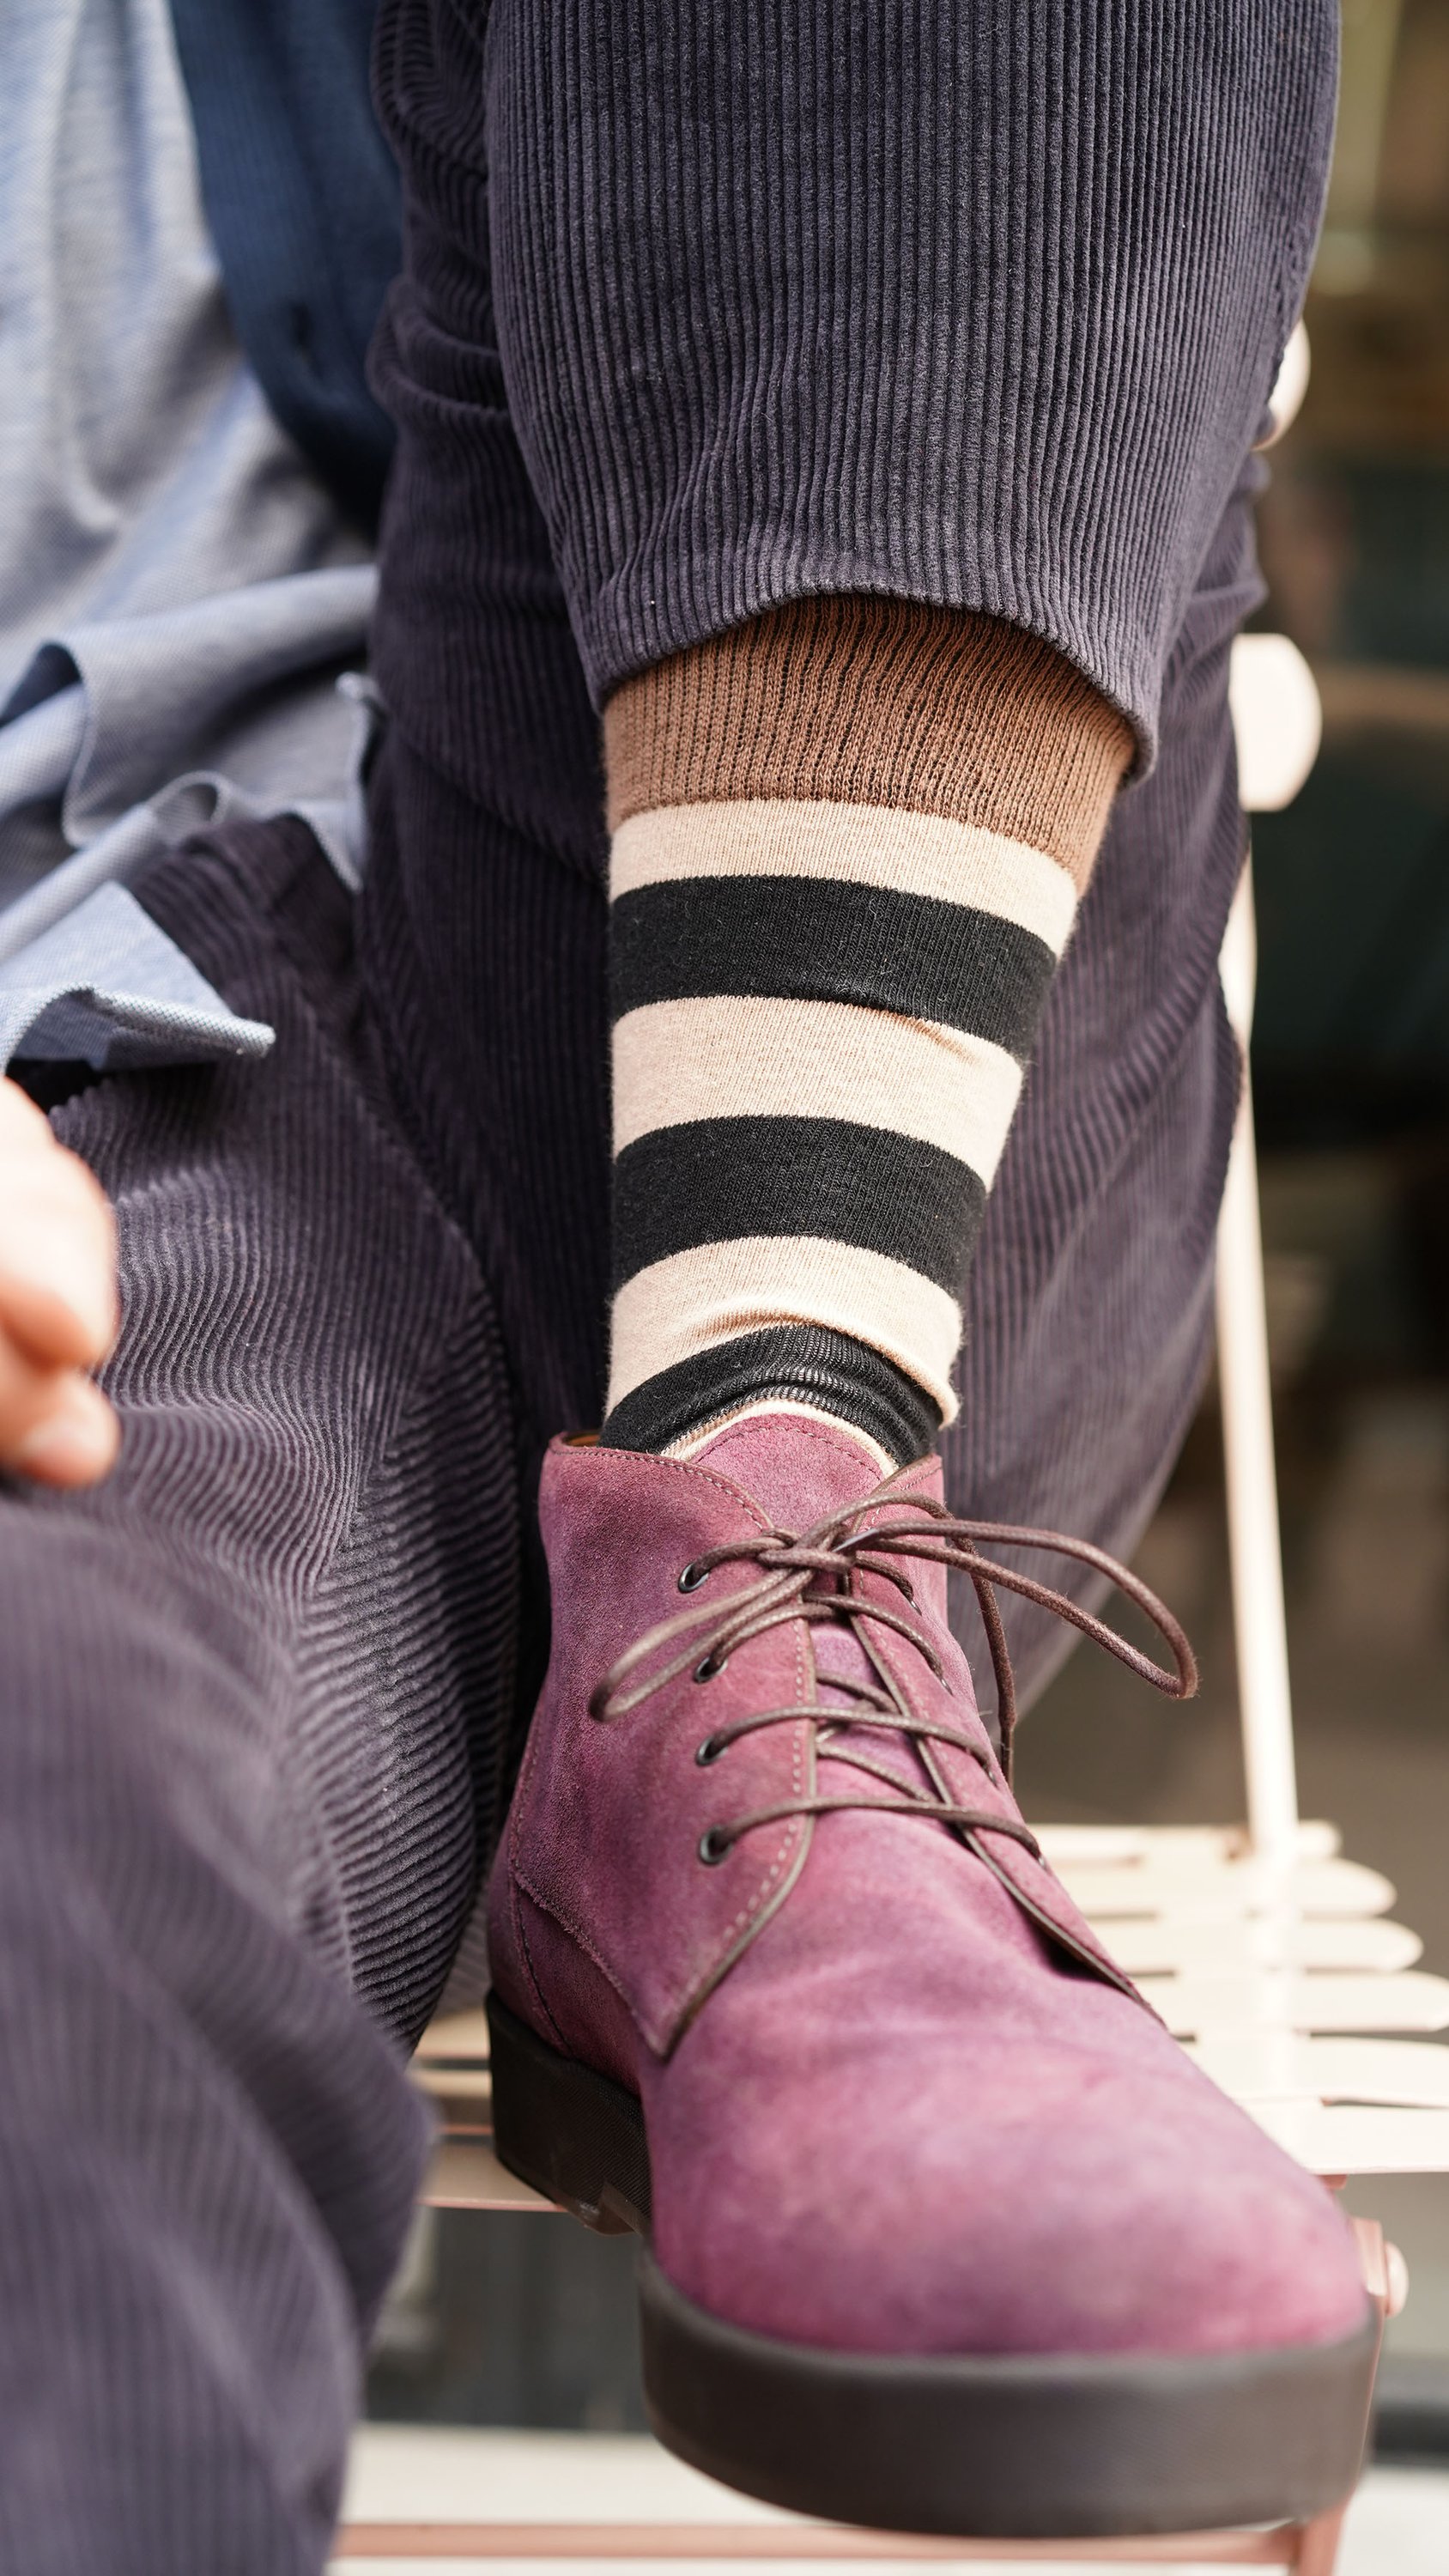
(804, 1368)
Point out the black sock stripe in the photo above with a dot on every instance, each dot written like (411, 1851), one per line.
(714, 1180)
(818, 939)
(808, 1362)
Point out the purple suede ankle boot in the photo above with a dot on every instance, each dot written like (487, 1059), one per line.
(943, 2231)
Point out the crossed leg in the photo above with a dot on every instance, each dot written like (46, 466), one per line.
(252, 1696)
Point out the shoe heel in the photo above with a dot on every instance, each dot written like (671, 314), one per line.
(570, 2132)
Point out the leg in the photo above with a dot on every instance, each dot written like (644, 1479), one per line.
(1086, 1309)
(250, 1714)
(943, 2228)
(483, 914)
(717, 432)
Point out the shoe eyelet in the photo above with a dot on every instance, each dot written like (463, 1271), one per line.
(709, 1850)
(708, 1752)
(693, 1576)
(708, 1666)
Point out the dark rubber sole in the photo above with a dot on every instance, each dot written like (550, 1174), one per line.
(1055, 2448)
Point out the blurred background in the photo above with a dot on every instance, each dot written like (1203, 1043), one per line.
(518, 2322)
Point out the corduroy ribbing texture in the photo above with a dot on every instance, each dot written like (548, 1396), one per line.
(848, 840)
(253, 1698)
(972, 304)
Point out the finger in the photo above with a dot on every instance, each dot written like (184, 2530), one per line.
(77, 1443)
(57, 1261)
(54, 1424)
(23, 1127)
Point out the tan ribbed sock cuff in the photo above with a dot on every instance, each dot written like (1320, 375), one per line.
(882, 703)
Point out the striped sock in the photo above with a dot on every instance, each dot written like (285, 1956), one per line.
(848, 844)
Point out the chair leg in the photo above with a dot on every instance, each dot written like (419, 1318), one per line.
(1318, 2548)
(1255, 1544)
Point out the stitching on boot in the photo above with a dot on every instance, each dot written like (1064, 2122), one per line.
(700, 1476)
(791, 1835)
(526, 1955)
(568, 1923)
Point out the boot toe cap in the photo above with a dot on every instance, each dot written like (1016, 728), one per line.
(1048, 2209)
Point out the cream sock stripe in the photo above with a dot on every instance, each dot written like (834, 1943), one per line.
(700, 1299)
(863, 845)
(725, 1057)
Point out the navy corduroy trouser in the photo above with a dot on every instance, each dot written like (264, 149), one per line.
(971, 303)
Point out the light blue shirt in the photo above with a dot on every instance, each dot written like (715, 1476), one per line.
(179, 596)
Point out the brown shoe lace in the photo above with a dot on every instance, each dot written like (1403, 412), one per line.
(813, 1576)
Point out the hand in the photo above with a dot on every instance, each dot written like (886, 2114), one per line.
(58, 1310)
